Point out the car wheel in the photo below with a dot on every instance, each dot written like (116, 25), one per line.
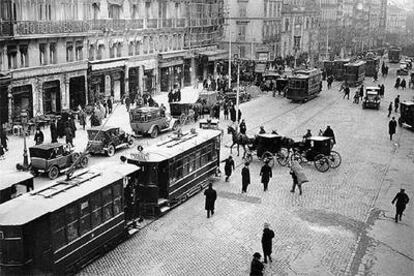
(175, 126)
(84, 162)
(130, 142)
(154, 132)
(110, 151)
(53, 172)
(75, 156)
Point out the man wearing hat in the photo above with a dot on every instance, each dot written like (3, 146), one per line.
(267, 237)
(402, 200)
(262, 130)
(257, 267)
(266, 174)
(228, 167)
(211, 196)
(245, 177)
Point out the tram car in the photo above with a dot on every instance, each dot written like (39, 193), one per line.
(355, 73)
(339, 69)
(14, 183)
(328, 66)
(394, 55)
(66, 224)
(304, 85)
(373, 64)
(407, 114)
(176, 169)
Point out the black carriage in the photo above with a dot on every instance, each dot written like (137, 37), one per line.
(394, 55)
(268, 147)
(328, 66)
(373, 64)
(184, 112)
(317, 149)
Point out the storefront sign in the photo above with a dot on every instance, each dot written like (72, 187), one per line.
(263, 56)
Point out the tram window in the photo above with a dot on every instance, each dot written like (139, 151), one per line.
(197, 160)
(58, 229)
(117, 199)
(72, 216)
(85, 220)
(107, 204)
(96, 207)
(179, 169)
(191, 163)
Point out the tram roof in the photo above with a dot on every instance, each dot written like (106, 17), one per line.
(12, 177)
(356, 63)
(102, 128)
(34, 204)
(169, 149)
(408, 103)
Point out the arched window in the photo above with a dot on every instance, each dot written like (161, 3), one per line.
(91, 52)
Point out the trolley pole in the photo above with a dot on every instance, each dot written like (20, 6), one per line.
(237, 60)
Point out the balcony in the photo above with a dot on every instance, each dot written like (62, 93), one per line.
(56, 27)
(6, 29)
(152, 23)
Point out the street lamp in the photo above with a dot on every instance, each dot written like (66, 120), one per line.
(237, 61)
(25, 166)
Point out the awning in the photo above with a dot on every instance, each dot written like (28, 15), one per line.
(215, 54)
(260, 68)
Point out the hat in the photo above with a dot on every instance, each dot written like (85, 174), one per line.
(257, 255)
(266, 225)
(246, 163)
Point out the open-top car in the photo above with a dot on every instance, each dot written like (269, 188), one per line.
(151, 121)
(106, 140)
(372, 98)
(403, 70)
(54, 159)
(407, 114)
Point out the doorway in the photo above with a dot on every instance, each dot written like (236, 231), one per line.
(77, 93)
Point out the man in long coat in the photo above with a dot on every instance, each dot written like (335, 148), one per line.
(267, 237)
(266, 174)
(228, 167)
(402, 200)
(245, 177)
(329, 133)
(243, 127)
(211, 196)
(53, 132)
(60, 127)
(392, 126)
(3, 138)
(69, 135)
(256, 267)
(233, 114)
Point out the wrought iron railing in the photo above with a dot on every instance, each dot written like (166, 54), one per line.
(45, 27)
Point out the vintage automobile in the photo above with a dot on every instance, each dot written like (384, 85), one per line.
(54, 159)
(403, 70)
(372, 98)
(407, 114)
(106, 140)
(151, 121)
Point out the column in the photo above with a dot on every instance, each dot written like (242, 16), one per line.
(37, 93)
(141, 79)
(10, 98)
(64, 90)
(126, 81)
(47, 53)
(86, 88)
(156, 80)
(193, 70)
(215, 70)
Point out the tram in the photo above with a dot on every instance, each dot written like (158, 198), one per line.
(339, 69)
(176, 169)
(304, 85)
(66, 224)
(373, 64)
(355, 73)
(394, 55)
(14, 183)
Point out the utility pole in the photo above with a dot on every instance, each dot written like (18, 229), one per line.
(229, 52)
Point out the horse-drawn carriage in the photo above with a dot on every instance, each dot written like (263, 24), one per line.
(317, 149)
(268, 147)
(184, 112)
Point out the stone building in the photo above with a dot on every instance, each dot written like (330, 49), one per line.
(58, 54)
(253, 28)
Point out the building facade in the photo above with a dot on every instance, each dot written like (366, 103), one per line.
(300, 28)
(58, 54)
(253, 28)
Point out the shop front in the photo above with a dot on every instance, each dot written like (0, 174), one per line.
(51, 97)
(22, 100)
(171, 70)
(208, 63)
(4, 100)
(77, 92)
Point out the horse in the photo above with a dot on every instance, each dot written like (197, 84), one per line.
(240, 140)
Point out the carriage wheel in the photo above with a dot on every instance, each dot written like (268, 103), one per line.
(335, 159)
(282, 157)
(268, 156)
(183, 118)
(296, 157)
(321, 163)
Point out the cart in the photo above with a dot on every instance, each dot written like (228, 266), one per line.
(268, 147)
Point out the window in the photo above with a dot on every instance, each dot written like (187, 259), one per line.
(151, 44)
(145, 45)
(69, 51)
(58, 229)
(85, 217)
(42, 54)
(286, 24)
(52, 53)
(117, 198)
(91, 52)
(138, 48)
(179, 169)
(96, 208)
(79, 50)
(107, 204)
(131, 49)
(119, 50)
(72, 222)
(134, 13)
(147, 10)
(242, 32)
(95, 8)
(112, 51)
(114, 12)
(242, 11)
(24, 57)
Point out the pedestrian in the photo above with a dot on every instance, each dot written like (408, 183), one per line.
(389, 109)
(403, 84)
(267, 237)
(240, 114)
(402, 200)
(109, 105)
(39, 137)
(262, 130)
(382, 90)
(295, 182)
(392, 126)
(72, 125)
(53, 132)
(226, 110)
(233, 114)
(3, 138)
(127, 102)
(397, 83)
(170, 96)
(256, 267)
(397, 103)
(228, 167)
(82, 119)
(375, 76)
(346, 92)
(151, 101)
(245, 177)
(60, 126)
(356, 97)
(69, 135)
(211, 196)
(243, 127)
(329, 133)
(266, 174)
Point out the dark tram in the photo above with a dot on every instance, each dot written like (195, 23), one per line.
(355, 73)
(304, 85)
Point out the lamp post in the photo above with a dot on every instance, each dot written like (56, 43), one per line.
(237, 61)
(25, 166)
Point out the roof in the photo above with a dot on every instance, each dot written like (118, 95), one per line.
(407, 103)
(10, 178)
(356, 63)
(47, 146)
(372, 92)
(103, 128)
(146, 109)
(170, 148)
(32, 205)
(319, 138)
(376, 88)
